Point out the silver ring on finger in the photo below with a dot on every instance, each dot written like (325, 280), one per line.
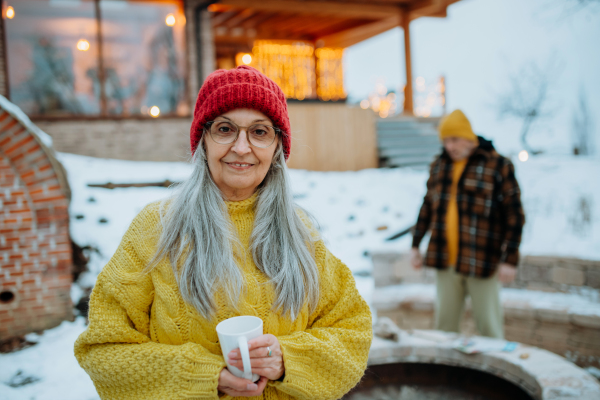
(269, 351)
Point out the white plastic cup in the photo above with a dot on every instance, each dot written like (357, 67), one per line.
(235, 333)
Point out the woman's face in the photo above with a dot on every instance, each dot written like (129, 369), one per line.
(238, 168)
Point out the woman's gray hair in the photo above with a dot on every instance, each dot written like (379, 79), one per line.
(201, 243)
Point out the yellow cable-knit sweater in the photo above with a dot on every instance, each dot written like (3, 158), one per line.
(145, 342)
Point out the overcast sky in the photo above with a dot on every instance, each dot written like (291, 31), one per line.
(478, 47)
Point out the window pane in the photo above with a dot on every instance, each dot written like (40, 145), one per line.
(52, 56)
(144, 57)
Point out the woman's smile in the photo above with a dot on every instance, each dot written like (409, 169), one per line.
(239, 166)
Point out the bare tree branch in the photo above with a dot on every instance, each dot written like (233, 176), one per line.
(527, 98)
(582, 126)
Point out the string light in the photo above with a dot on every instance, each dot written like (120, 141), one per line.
(291, 64)
(430, 99)
(523, 156)
(243, 58)
(380, 101)
(330, 84)
(301, 71)
(10, 12)
(170, 20)
(83, 45)
(154, 111)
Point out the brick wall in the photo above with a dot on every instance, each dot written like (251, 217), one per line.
(35, 249)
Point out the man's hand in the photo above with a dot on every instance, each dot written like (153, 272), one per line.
(506, 273)
(238, 387)
(415, 258)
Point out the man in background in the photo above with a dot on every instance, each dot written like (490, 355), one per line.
(473, 208)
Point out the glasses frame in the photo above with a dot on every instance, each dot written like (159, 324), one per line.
(276, 129)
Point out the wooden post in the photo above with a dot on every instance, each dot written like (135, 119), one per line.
(408, 90)
(101, 74)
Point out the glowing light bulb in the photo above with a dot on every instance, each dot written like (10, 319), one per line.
(83, 45)
(246, 59)
(170, 20)
(523, 156)
(10, 12)
(154, 111)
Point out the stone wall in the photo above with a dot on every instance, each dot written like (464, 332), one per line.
(549, 274)
(558, 273)
(551, 321)
(161, 139)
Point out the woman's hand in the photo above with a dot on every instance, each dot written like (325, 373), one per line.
(238, 387)
(270, 367)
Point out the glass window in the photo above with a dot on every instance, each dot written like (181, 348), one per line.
(144, 57)
(53, 57)
(57, 67)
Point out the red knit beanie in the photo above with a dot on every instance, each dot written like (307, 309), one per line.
(242, 87)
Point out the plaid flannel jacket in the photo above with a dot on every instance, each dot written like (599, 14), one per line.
(490, 213)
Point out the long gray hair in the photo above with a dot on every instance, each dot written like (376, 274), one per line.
(201, 243)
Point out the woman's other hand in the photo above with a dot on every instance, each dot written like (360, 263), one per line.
(262, 364)
(239, 387)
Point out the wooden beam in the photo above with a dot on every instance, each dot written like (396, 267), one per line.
(408, 90)
(257, 19)
(289, 24)
(218, 19)
(429, 8)
(354, 35)
(395, 2)
(316, 26)
(276, 26)
(238, 19)
(312, 7)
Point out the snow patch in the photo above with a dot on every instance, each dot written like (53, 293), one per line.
(20, 116)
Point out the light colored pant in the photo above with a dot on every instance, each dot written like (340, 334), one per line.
(452, 289)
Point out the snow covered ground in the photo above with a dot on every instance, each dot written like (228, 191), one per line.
(356, 212)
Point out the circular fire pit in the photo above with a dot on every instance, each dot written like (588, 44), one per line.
(425, 365)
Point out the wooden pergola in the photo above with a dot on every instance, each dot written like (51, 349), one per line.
(325, 23)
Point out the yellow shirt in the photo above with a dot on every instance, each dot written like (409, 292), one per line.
(452, 222)
(145, 342)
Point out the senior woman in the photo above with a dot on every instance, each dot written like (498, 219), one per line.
(229, 242)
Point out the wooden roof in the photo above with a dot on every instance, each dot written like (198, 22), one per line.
(328, 23)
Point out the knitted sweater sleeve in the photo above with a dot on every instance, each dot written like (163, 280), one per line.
(116, 349)
(329, 358)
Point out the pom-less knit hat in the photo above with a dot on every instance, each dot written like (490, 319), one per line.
(242, 87)
(456, 124)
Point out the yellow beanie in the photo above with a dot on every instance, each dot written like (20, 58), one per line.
(456, 124)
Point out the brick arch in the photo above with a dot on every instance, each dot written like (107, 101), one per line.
(35, 248)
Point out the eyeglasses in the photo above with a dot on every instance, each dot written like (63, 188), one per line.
(225, 132)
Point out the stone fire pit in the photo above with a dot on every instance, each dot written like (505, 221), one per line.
(540, 374)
